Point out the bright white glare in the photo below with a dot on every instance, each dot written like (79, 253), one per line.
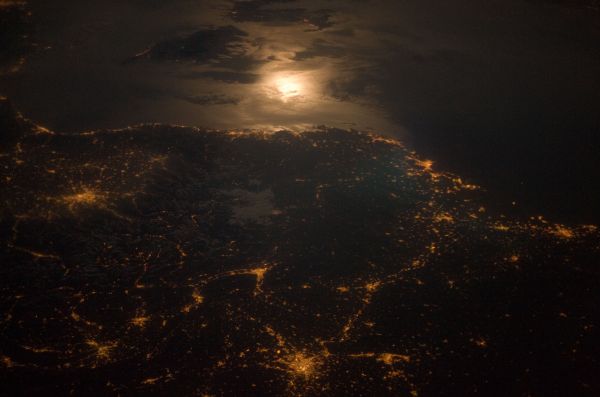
(289, 87)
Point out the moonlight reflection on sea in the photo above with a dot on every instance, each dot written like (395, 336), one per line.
(289, 87)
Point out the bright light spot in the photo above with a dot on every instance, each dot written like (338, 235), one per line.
(300, 365)
(293, 87)
(562, 232)
(86, 197)
(140, 321)
(289, 87)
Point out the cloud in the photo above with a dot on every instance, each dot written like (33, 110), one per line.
(321, 48)
(348, 32)
(211, 99)
(255, 11)
(205, 45)
(224, 76)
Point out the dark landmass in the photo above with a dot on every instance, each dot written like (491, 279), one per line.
(164, 260)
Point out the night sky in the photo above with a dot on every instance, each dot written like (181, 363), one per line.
(297, 197)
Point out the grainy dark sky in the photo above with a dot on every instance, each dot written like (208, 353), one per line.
(506, 93)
